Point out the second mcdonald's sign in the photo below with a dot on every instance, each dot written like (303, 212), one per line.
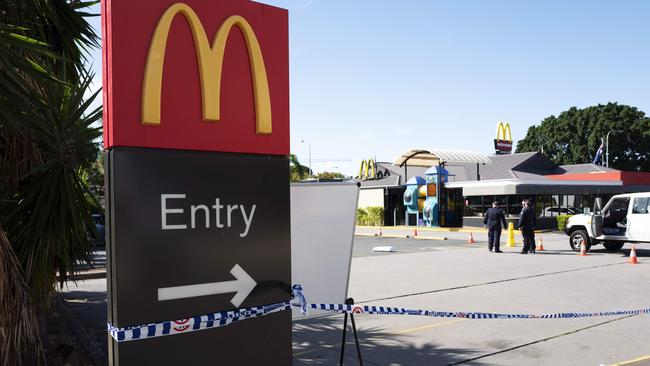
(212, 76)
(503, 140)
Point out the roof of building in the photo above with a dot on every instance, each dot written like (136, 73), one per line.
(460, 156)
(428, 158)
(585, 168)
(389, 175)
(521, 168)
(387, 181)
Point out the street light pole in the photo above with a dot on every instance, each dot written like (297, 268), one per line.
(311, 172)
(607, 147)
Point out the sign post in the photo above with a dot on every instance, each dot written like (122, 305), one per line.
(196, 129)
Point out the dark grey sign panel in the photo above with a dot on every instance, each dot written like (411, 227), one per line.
(193, 233)
(258, 341)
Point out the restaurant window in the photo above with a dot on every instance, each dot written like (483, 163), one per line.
(514, 205)
(553, 209)
(573, 204)
(543, 205)
(473, 206)
(502, 201)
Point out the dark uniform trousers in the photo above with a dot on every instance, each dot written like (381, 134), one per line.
(494, 219)
(527, 227)
(494, 236)
(529, 239)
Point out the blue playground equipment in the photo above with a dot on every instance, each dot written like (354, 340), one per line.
(436, 177)
(414, 197)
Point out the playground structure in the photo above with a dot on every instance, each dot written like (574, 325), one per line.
(414, 197)
(422, 197)
(435, 177)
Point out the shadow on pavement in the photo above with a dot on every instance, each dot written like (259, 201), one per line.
(317, 341)
(639, 252)
(624, 253)
(89, 308)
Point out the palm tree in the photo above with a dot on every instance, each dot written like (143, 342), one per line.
(46, 143)
(298, 171)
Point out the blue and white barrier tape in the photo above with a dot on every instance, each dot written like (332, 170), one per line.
(385, 310)
(195, 323)
(224, 318)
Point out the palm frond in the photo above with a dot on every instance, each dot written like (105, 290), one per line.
(18, 323)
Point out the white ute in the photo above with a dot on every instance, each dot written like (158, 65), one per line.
(625, 219)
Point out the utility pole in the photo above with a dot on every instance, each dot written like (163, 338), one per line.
(311, 172)
(607, 147)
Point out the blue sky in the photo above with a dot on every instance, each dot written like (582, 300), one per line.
(376, 78)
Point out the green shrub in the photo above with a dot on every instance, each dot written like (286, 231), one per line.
(375, 215)
(561, 221)
(362, 217)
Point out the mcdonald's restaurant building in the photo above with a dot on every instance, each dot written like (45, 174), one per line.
(475, 181)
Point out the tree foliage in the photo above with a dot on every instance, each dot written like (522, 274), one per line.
(330, 175)
(298, 171)
(370, 216)
(573, 137)
(47, 144)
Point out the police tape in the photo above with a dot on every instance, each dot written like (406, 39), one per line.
(386, 310)
(195, 323)
(223, 318)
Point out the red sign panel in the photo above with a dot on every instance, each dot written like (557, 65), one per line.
(502, 146)
(196, 75)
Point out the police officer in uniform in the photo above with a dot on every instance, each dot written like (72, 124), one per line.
(527, 226)
(493, 219)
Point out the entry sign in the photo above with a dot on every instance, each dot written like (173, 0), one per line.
(196, 127)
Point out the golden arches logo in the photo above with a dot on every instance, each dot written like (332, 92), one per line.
(502, 129)
(368, 169)
(210, 60)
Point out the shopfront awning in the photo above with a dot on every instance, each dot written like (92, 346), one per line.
(537, 186)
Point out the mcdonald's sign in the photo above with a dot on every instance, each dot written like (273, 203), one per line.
(196, 96)
(196, 75)
(368, 169)
(503, 140)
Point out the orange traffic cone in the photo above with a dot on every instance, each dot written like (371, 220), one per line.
(633, 256)
(470, 240)
(415, 232)
(540, 247)
(583, 249)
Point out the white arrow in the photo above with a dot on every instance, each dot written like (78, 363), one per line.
(243, 285)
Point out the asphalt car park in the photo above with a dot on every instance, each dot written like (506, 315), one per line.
(446, 273)
(452, 275)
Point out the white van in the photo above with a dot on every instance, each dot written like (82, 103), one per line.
(625, 218)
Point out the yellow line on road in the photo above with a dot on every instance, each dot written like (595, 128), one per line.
(430, 326)
(428, 238)
(393, 236)
(628, 362)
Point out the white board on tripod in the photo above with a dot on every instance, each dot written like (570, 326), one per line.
(323, 219)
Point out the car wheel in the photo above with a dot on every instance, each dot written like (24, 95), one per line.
(576, 238)
(613, 246)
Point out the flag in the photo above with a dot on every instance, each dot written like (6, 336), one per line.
(599, 154)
